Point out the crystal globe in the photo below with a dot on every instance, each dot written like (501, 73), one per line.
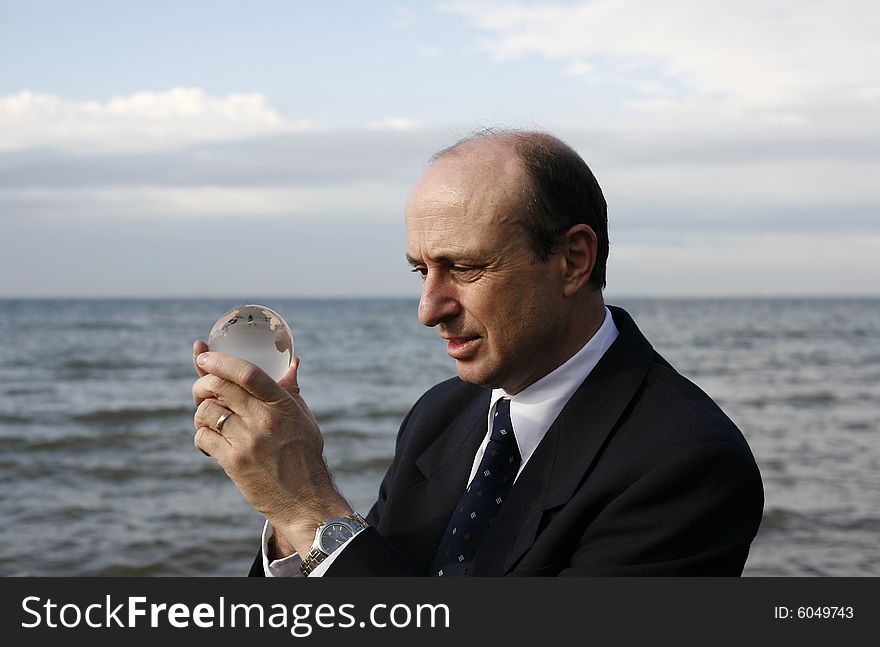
(257, 334)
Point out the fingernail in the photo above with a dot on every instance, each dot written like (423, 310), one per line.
(201, 359)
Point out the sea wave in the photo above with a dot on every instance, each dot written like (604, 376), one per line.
(132, 414)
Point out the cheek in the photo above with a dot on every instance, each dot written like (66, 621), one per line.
(530, 319)
(510, 323)
(510, 312)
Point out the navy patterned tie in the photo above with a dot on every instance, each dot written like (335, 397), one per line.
(476, 510)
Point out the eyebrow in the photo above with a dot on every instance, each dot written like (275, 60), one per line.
(443, 259)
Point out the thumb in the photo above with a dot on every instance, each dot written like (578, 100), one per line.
(199, 347)
(288, 381)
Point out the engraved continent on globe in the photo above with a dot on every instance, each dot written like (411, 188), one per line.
(257, 334)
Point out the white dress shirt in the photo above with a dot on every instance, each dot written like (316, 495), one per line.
(532, 411)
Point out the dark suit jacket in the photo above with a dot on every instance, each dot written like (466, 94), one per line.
(640, 474)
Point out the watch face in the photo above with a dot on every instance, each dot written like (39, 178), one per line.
(334, 536)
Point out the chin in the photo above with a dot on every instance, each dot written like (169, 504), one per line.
(480, 376)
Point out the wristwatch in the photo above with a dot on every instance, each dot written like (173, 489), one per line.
(329, 536)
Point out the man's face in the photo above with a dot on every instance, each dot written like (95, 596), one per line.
(500, 309)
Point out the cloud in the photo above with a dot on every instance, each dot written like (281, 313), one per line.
(745, 264)
(708, 117)
(394, 123)
(143, 121)
(357, 174)
(352, 199)
(752, 54)
(429, 51)
(313, 158)
(740, 181)
(402, 17)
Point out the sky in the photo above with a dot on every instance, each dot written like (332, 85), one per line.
(266, 149)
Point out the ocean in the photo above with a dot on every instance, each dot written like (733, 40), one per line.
(99, 475)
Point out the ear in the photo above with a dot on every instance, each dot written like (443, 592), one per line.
(578, 248)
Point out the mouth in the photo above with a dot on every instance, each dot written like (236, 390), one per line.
(461, 348)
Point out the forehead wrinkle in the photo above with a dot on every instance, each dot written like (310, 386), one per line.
(464, 237)
(445, 253)
(465, 216)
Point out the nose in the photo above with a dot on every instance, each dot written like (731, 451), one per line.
(439, 300)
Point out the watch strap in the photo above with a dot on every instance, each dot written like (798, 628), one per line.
(356, 524)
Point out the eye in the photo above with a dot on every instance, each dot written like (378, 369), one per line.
(422, 271)
(467, 272)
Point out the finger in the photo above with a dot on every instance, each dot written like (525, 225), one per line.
(199, 347)
(249, 377)
(207, 386)
(228, 394)
(289, 381)
(209, 414)
(211, 443)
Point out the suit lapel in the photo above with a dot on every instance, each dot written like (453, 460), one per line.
(421, 511)
(467, 429)
(568, 450)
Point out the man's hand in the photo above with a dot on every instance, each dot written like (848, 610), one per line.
(270, 445)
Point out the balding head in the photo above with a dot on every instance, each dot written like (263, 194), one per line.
(559, 189)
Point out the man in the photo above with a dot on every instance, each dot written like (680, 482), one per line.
(565, 446)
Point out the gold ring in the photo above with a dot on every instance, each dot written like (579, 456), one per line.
(221, 420)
